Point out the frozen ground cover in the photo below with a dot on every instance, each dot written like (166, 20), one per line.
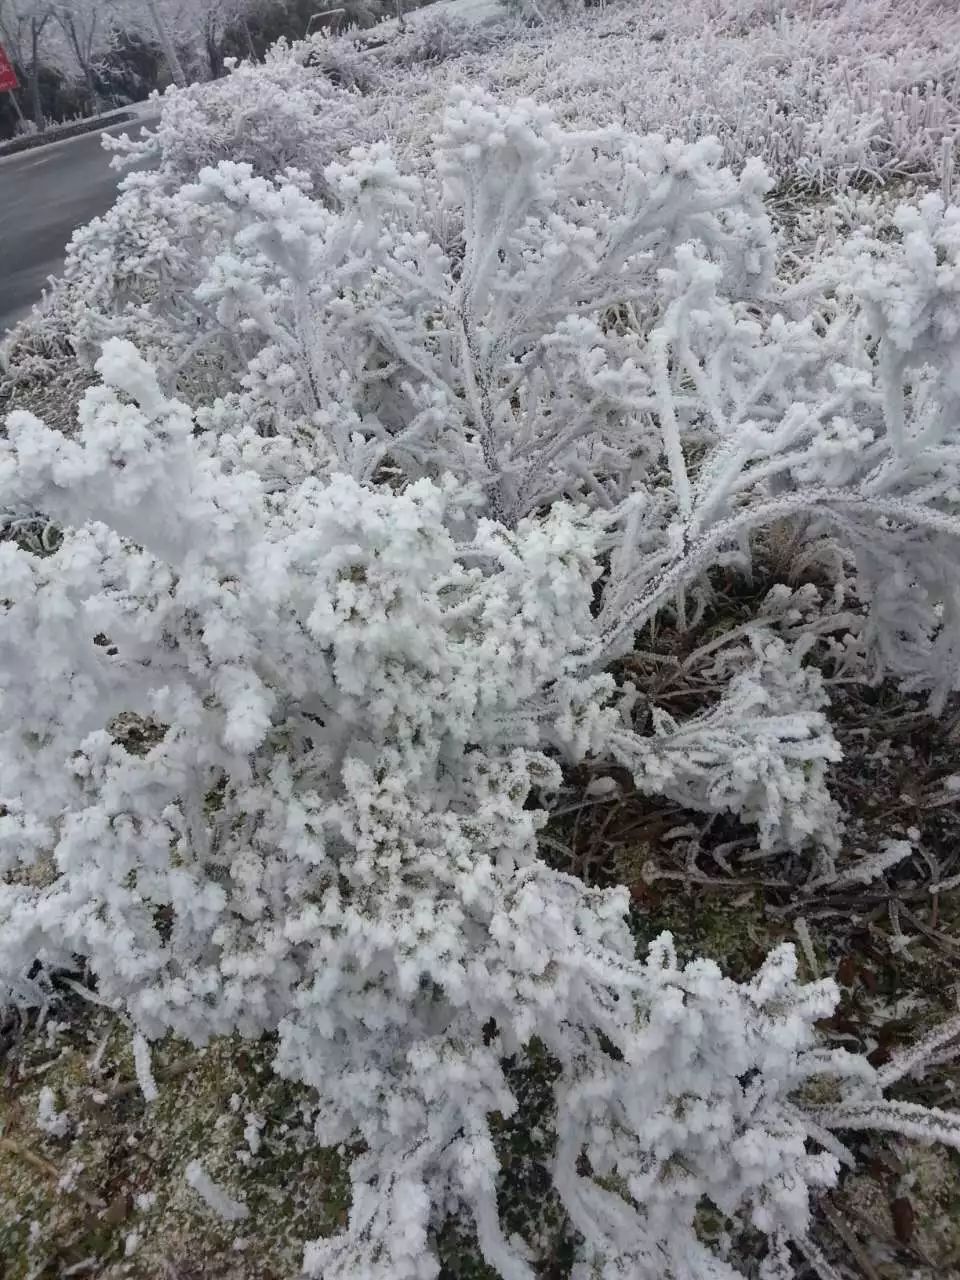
(481, 636)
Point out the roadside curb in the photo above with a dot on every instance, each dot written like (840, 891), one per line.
(34, 140)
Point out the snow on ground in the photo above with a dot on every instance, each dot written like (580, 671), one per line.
(461, 10)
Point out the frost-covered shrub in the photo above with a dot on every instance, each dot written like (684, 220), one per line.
(821, 93)
(164, 268)
(270, 116)
(824, 92)
(132, 271)
(545, 10)
(769, 769)
(449, 437)
(353, 693)
(564, 342)
(490, 359)
(569, 346)
(344, 60)
(433, 38)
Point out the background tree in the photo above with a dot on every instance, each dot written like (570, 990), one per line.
(81, 22)
(22, 27)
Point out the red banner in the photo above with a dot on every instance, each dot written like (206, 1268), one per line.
(8, 77)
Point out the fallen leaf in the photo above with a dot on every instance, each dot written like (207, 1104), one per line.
(117, 1210)
(901, 1211)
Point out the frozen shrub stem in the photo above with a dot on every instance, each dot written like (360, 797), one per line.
(365, 595)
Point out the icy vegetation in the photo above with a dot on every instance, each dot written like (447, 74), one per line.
(419, 411)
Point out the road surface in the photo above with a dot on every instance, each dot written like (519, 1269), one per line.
(45, 194)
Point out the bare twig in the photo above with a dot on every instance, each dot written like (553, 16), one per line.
(847, 1235)
(50, 1170)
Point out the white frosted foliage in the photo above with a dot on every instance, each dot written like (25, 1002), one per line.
(413, 460)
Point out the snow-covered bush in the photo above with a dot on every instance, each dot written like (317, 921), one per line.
(351, 695)
(132, 272)
(270, 116)
(592, 318)
(490, 358)
(220, 281)
(474, 430)
(545, 10)
(822, 93)
(431, 38)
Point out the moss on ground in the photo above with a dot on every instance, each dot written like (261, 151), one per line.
(108, 1197)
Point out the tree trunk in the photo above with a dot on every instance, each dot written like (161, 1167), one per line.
(166, 44)
(214, 52)
(70, 28)
(91, 89)
(246, 31)
(36, 27)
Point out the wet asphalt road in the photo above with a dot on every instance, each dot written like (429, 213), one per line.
(45, 194)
